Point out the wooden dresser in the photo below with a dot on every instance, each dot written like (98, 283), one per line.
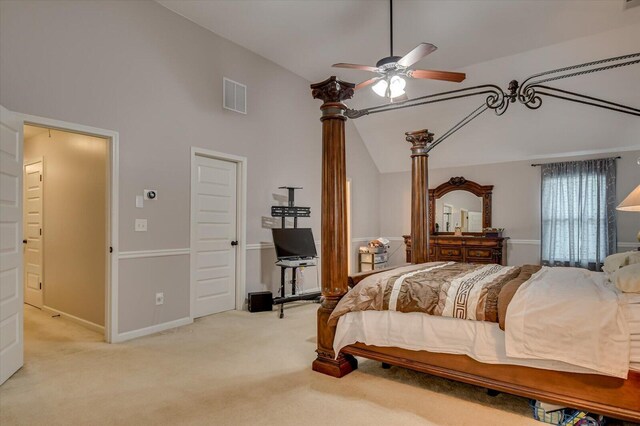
(468, 249)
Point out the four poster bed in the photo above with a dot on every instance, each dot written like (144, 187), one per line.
(603, 394)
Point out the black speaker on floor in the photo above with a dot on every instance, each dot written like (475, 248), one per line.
(260, 301)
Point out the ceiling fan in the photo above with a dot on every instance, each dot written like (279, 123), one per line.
(391, 70)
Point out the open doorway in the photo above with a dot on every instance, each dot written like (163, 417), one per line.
(65, 227)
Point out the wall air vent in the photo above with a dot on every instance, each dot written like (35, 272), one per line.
(628, 4)
(234, 96)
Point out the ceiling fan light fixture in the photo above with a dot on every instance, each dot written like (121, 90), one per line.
(390, 88)
(380, 88)
(396, 86)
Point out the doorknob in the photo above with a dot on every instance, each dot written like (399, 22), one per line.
(234, 243)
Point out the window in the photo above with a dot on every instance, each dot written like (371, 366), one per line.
(578, 213)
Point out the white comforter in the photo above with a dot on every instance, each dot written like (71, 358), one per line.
(569, 315)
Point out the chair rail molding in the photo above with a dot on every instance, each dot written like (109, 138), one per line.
(139, 254)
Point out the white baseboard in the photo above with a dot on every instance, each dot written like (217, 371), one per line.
(88, 324)
(139, 254)
(133, 334)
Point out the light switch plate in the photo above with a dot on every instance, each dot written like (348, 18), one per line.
(141, 225)
(139, 201)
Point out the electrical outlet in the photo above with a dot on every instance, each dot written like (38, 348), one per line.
(141, 225)
(159, 298)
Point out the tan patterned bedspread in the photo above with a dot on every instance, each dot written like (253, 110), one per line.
(457, 290)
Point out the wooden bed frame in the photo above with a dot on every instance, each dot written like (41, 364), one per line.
(600, 394)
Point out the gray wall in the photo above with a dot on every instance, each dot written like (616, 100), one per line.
(516, 201)
(156, 78)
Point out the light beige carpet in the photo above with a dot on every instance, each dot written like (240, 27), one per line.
(234, 368)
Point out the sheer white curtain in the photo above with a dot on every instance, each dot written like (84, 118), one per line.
(578, 213)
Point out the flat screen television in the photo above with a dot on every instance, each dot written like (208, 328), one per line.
(294, 242)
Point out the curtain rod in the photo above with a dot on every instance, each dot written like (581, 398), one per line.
(608, 158)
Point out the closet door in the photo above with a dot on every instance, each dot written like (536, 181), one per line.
(213, 235)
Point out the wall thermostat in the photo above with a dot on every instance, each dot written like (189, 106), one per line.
(150, 194)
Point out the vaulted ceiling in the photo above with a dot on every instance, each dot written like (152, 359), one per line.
(493, 41)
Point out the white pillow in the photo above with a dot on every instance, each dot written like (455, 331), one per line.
(634, 257)
(627, 279)
(614, 262)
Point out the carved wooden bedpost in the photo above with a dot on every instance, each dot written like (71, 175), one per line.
(334, 221)
(419, 194)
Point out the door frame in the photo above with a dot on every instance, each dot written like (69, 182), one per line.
(241, 224)
(111, 260)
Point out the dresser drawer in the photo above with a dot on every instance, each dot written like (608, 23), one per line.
(478, 253)
(449, 253)
(480, 261)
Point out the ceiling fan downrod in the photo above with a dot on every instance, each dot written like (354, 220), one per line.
(391, 28)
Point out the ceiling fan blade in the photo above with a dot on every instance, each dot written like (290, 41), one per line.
(367, 82)
(419, 52)
(356, 67)
(438, 75)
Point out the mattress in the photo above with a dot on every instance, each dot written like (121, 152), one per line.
(480, 340)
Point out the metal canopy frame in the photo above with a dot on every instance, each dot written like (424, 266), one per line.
(529, 93)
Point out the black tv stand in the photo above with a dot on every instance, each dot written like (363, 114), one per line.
(283, 212)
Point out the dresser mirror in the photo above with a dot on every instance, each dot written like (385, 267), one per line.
(460, 203)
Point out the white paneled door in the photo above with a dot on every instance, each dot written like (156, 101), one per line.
(33, 232)
(11, 332)
(213, 235)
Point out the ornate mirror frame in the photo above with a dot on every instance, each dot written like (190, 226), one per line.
(456, 184)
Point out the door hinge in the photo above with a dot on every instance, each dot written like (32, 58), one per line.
(40, 178)
(40, 231)
(110, 249)
(40, 286)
